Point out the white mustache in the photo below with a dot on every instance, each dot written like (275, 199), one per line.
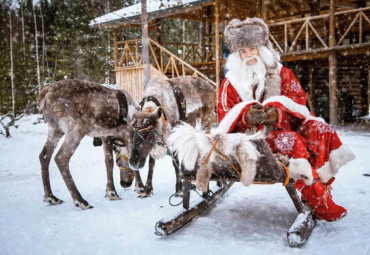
(250, 58)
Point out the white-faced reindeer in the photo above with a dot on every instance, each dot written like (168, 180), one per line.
(165, 103)
(75, 109)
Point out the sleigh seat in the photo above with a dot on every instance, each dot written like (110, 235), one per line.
(269, 171)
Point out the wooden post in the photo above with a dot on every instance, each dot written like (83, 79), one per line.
(145, 43)
(333, 69)
(258, 8)
(115, 48)
(264, 9)
(202, 38)
(217, 45)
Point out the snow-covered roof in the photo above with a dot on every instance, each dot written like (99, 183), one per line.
(154, 7)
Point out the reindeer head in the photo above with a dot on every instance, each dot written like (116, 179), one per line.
(147, 135)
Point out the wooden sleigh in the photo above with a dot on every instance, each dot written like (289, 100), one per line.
(268, 171)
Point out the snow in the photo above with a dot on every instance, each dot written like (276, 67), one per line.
(246, 220)
(153, 6)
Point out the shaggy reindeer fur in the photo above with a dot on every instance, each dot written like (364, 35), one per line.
(193, 145)
(74, 109)
(158, 121)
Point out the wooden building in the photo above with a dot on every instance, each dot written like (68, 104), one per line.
(325, 42)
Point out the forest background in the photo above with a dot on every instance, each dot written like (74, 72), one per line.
(49, 40)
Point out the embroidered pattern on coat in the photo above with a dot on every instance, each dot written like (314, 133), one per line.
(285, 141)
(295, 85)
(323, 127)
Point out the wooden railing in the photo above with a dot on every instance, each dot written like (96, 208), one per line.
(192, 52)
(129, 56)
(312, 33)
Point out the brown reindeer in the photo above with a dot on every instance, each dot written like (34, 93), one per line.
(75, 109)
(165, 103)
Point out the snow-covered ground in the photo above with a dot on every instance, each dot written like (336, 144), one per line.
(251, 220)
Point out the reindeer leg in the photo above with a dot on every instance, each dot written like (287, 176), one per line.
(203, 176)
(148, 191)
(175, 162)
(69, 146)
(139, 185)
(45, 156)
(110, 192)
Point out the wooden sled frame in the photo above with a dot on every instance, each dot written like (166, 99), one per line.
(268, 171)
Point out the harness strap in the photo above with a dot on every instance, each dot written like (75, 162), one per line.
(210, 152)
(123, 106)
(180, 100)
(124, 156)
(149, 99)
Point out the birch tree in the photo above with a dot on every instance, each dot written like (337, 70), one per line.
(37, 51)
(23, 34)
(11, 61)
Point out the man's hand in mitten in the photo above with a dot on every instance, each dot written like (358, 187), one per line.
(255, 115)
(271, 115)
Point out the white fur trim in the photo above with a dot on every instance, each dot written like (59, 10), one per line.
(280, 66)
(300, 169)
(293, 107)
(266, 56)
(230, 117)
(337, 159)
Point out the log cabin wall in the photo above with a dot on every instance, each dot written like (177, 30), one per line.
(353, 85)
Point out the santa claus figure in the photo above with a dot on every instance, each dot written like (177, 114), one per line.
(259, 93)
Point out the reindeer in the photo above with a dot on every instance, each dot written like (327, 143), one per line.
(75, 109)
(166, 102)
(212, 152)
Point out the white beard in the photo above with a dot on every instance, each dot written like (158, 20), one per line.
(245, 77)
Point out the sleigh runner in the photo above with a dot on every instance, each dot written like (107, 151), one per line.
(228, 171)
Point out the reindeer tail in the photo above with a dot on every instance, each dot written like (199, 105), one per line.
(41, 98)
(183, 140)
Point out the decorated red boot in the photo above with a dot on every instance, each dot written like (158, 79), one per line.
(318, 197)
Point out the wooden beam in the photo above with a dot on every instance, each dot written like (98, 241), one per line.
(115, 48)
(264, 9)
(217, 45)
(145, 42)
(333, 69)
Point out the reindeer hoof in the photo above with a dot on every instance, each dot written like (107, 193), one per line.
(112, 195)
(146, 193)
(53, 200)
(83, 205)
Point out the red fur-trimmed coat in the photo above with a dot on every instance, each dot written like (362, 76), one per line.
(314, 147)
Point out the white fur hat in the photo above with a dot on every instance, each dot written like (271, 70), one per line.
(247, 33)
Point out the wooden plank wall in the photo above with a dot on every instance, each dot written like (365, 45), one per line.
(353, 84)
(131, 80)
